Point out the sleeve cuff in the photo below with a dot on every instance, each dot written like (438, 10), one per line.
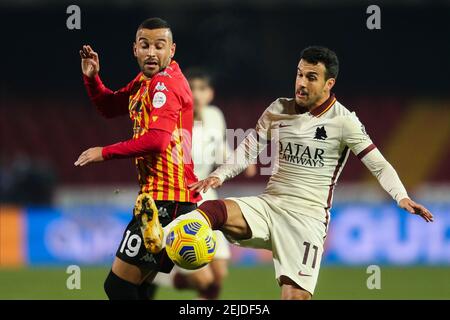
(400, 197)
(106, 154)
(217, 175)
(91, 81)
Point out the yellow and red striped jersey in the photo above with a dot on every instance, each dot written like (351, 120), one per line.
(164, 102)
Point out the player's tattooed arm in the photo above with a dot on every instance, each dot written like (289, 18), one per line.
(415, 208)
(89, 156)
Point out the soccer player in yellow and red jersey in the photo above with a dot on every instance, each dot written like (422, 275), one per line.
(159, 102)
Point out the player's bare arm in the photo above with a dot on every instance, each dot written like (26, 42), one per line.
(90, 64)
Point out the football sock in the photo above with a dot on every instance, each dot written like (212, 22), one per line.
(119, 289)
(180, 281)
(211, 292)
(211, 212)
(147, 291)
(164, 279)
(215, 212)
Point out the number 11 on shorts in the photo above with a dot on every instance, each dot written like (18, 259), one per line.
(305, 256)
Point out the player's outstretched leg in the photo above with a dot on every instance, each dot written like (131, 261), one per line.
(125, 281)
(224, 215)
(207, 281)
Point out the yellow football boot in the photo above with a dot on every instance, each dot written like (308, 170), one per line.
(146, 214)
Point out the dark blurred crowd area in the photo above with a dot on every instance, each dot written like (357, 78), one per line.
(250, 47)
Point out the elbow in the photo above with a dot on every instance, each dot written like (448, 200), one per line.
(156, 141)
(382, 169)
(163, 143)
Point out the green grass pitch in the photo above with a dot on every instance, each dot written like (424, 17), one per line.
(242, 283)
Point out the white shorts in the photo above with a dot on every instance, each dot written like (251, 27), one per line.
(296, 240)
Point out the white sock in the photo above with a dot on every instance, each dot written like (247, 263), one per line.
(165, 279)
(191, 215)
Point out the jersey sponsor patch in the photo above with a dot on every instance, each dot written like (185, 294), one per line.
(159, 99)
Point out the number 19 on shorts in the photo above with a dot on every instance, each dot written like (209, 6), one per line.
(132, 246)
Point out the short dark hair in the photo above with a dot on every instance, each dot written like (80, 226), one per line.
(199, 73)
(316, 54)
(154, 23)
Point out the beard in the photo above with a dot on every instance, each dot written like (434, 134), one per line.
(149, 70)
(305, 102)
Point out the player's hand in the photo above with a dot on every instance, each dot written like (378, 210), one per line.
(415, 208)
(89, 156)
(210, 182)
(90, 64)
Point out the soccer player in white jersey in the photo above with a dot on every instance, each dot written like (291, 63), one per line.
(209, 148)
(315, 134)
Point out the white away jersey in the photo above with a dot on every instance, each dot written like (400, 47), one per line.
(312, 150)
(209, 146)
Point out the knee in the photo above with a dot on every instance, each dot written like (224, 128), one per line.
(202, 279)
(220, 276)
(297, 294)
(108, 284)
(292, 291)
(236, 226)
(220, 272)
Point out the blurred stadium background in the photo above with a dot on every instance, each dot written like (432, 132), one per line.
(396, 79)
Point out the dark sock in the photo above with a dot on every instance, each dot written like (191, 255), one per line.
(180, 281)
(147, 291)
(211, 292)
(215, 211)
(119, 289)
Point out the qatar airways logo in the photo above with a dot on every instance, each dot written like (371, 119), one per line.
(301, 155)
(244, 148)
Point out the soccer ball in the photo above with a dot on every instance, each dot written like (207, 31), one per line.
(191, 244)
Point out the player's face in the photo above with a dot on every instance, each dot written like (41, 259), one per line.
(202, 94)
(154, 50)
(311, 86)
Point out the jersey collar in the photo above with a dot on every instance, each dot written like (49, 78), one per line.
(142, 78)
(324, 107)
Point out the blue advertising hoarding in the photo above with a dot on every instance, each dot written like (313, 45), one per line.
(359, 234)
